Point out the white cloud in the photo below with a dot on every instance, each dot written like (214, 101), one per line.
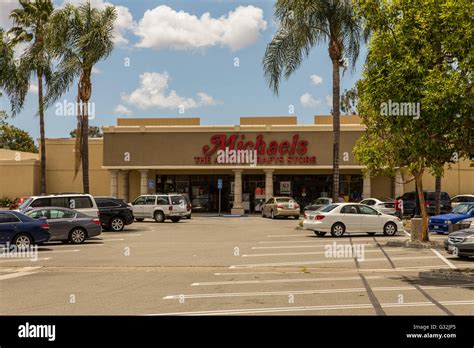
(123, 23)
(153, 93)
(96, 70)
(33, 89)
(316, 80)
(329, 100)
(308, 101)
(163, 27)
(122, 110)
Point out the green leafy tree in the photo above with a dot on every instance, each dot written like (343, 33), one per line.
(419, 52)
(83, 37)
(13, 138)
(94, 132)
(30, 22)
(304, 24)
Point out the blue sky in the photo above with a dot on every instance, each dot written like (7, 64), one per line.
(170, 50)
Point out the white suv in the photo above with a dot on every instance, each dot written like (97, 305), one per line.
(160, 207)
(82, 202)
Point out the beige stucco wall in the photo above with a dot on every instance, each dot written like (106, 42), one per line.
(457, 180)
(60, 167)
(19, 178)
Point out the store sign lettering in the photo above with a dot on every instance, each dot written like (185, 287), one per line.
(225, 149)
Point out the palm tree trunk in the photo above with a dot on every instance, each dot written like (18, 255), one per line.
(42, 133)
(85, 147)
(424, 215)
(336, 127)
(438, 195)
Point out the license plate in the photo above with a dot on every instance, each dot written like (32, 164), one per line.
(451, 247)
(291, 206)
(435, 227)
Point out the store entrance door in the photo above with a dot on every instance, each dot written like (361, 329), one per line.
(253, 192)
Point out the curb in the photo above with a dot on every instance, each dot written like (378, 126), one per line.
(413, 245)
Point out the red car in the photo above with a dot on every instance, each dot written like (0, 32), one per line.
(18, 201)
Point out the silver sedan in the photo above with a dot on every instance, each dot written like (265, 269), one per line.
(67, 225)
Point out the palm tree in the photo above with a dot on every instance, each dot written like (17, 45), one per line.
(83, 36)
(30, 25)
(304, 24)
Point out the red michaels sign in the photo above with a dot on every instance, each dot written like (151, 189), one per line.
(269, 152)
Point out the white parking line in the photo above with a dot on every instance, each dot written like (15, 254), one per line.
(27, 260)
(272, 281)
(445, 260)
(319, 270)
(57, 251)
(289, 235)
(313, 253)
(304, 263)
(20, 272)
(315, 245)
(317, 308)
(112, 239)
(320, 240)
(312, 292)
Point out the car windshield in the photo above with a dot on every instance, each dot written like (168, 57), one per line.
(462, 208)
(328, 208)
(25, 204)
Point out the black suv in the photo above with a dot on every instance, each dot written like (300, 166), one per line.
(409, 202)
(114, 213)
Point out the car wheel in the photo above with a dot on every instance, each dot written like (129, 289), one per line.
(23, 241)
(159, 216)
(371, 233)
(175, 219)
(319, 233)
(297, 217)
(139, 219)
(117, 224)
(77, 236)
(263, 214)
(273, 215)
(338, 229)
(390, 229)
(188, 217)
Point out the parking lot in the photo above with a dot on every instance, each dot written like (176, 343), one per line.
(218, 265)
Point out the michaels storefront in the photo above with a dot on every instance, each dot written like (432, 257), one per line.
(260, 158)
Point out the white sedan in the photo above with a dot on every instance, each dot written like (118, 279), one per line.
(339, 218)
(386, 206)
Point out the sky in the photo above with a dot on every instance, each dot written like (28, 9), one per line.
(186, 58)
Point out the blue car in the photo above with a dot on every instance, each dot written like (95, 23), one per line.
(21, 230)
(441, 223)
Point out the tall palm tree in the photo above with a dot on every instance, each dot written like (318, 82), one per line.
(30, 25)
(10, 83)
(83, 37)
(304, 24)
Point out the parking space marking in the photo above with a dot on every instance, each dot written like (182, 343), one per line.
(289, 235)
(445, 260)
(272, 281)
(316, 240)
(113, 239)
(20, 272)
(57, 251)
(311, 292)
(304, 263)
(315, 308)
(27, 260)
(309, 253)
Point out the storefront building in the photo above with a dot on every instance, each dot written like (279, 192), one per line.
(248, 163)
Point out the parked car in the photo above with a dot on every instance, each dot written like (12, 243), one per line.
(160, 207)
(385, 205)
(462, 213)
(189, 206)
(21, 230)
(17, 202)
(67, 225)
(338, 218)
(318, 204)
(281, 206)
(408, 199)
(461, 199)
(460, 243)
(114, 214)
(84, 203)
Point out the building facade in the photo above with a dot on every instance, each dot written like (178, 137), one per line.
(244, 164)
